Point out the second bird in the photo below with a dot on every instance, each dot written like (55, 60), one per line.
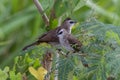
(68, 41)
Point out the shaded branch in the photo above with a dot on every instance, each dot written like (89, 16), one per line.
(47, 63)
(40, 9)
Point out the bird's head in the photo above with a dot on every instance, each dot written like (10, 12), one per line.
(68, 23)
(61, 32)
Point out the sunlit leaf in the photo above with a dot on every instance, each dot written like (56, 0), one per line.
(38, 74)
(4, 73)
(80, 4)
(34, 72)
(14, 76)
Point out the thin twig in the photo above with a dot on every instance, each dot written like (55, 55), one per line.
(57, 56)
(56, 65)
(40, 9)
(60, 20)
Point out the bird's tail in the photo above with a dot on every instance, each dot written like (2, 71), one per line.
(33, 44)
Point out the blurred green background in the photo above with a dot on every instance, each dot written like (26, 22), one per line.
(21, 23)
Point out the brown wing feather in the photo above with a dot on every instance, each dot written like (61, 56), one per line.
(76, 44)
(49, 36)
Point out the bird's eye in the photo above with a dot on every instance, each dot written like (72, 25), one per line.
(60, 32)
(71, 22)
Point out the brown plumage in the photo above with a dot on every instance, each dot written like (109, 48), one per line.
(68, 41)
(51, 36)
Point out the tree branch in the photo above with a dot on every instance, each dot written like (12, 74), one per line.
(47, 63)
(40, 9)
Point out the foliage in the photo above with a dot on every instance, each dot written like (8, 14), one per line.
(3, 74)
(7, 74)
(38, 74)
(98, 29)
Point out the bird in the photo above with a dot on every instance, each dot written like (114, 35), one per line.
(51, 36)
(70, 43)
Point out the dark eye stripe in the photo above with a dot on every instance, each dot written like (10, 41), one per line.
(60, 32)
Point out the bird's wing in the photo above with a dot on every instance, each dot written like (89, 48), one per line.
(42, 35)
(49, 36)
(76, 44)
(55, 30)
(65, 43)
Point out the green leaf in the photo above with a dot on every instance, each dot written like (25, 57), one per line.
(14, 76)
(80, 4)
(6, 69)
(4, 73)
